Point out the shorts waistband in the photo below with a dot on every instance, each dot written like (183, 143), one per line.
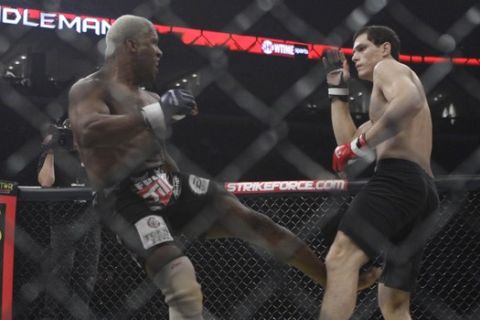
(142, 174)
(400, 164)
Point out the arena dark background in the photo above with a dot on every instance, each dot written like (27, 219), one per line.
(223, 141)
(226, 142)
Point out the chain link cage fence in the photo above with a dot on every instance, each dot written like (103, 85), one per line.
(241, 281)
(263, 117)
(277, 102)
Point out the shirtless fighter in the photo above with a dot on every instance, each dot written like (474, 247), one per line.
(120, 130)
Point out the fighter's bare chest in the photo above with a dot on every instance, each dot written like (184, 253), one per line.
(378, 105)
(130, 102)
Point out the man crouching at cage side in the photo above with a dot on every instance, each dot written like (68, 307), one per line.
(120, 130)
(388, 215)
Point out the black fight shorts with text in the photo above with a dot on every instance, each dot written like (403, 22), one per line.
(389, 218)
(152, 208)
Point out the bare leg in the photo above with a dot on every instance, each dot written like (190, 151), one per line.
(175, 276)
(344, 260)
(394, 303)
(253, 227)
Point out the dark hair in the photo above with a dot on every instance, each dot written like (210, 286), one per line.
(379, 35)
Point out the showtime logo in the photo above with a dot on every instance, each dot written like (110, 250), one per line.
(271, 48)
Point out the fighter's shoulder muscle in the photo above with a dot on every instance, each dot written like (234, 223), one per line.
(390, 69)
(89, 87)
(394, 79)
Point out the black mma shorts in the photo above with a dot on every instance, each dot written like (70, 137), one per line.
(152, 208)
(387, 214)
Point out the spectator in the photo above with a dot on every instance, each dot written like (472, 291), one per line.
(74, 234)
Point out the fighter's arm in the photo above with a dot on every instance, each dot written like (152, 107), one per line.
(363, 128)
(343, 126)
(338, 74)
(404, 101)
(46, 168)
(92, 122)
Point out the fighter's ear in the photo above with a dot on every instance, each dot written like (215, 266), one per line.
(131, 45)
(386, 49)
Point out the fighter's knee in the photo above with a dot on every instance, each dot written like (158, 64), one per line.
(183, 294)
(334, 257)
(344, 254)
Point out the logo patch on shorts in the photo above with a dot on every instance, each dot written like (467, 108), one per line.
(153, 222)
(152, 231)
(155, 188)
(198, 185)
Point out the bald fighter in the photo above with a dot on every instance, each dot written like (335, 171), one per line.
(400, 195)
(120, 130)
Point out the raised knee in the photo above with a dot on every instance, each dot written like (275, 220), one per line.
(344, 254)
(335, 258)
(183, 294)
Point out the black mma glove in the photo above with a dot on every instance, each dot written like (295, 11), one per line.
(60, 138)
(174, 105)
(177, 103)
(333, 63)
